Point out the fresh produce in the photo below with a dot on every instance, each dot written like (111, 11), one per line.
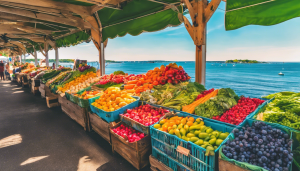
(89, 94)
(58, 77)
(112, 99)
(204, 93)
(173, 96)
(110, 80)
(79, 83)
(260, 145)
(238, 113)
(128, 133)
(171, 74)
(284, 109)
(193, 130)
(83, 67)
(191, 107)
(145, 114)
(119, 73)
(217, 105)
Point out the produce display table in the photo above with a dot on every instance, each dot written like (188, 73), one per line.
(100, 126)
(24, 80)
(19, 78)
(35, 84)
(77, 113)
(42, 89)
(137, 153)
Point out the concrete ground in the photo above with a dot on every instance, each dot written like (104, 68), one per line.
(36, 138)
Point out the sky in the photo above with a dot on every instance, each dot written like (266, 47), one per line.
(263, 43)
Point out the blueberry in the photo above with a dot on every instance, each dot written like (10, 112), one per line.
(259, 153)
(235, 157)
(260, 141)
(229, 155)
(264, 132)
(279, 161)
(276, 165)
(264, 159)
(255, 138)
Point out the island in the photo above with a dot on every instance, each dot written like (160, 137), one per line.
(243, 61)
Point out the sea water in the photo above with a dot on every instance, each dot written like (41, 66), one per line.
(254, 80)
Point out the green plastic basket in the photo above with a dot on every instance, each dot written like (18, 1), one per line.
(245, 165)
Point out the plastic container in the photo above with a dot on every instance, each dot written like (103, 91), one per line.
(136, 125)
(262, 109)
(169, 161)
(250, 122)
(113, 116)
(197, 160)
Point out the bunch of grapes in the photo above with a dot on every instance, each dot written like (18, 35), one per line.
(83, 68)
(261, 145)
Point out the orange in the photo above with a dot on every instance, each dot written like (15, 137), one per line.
(177, 122)
(169, 128)
(189, 123)
(191, 119)
(165, 129)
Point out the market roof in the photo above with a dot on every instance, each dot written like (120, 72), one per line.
(240, 13)
(31, 23)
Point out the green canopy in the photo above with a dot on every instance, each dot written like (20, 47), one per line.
(138, 16)
(240, 13)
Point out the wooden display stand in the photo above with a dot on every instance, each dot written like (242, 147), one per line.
(52, 101)
(19, 78)
(77, 113)
(100, 126)
(35, 84)
(137, 153)
(24, 80)
(227, 166)
(42, 89)
(156, 165)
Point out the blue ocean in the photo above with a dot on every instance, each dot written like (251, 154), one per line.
(253, 80)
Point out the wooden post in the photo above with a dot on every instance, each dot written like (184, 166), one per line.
(46, 46)
(35, 56)
(200, 12)
(102, 60)
(56, 57)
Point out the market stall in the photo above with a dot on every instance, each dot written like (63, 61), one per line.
(162, 112)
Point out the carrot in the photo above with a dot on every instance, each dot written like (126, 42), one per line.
(191, 108)
(129, 86)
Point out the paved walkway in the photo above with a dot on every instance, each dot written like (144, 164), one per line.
(36, 138)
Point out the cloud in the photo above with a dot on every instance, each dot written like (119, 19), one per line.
(215, 28)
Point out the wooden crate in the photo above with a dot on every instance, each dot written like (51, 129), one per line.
(52, 101)
(77, 113)
(156, 165)
(136, 153)
(43, 92)
(49, 93)
(19, 78)
(100, 126)
(24, 80)
(42, 85)
(35, 86)
(227, 166)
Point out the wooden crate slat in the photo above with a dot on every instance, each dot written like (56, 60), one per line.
(156, 165)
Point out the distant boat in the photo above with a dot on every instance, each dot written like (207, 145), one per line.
(281, 74)
(233, 65)
(151, 62)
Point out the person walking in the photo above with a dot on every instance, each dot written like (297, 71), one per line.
(7, 71)
(1, 70)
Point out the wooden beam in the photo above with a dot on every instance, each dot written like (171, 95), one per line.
(188, 27)
(41, 16)
(191, 9)
(81, 10)
(114, 4)
(41, 50)
(32, 8)
(96, 8)
(210, 9)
